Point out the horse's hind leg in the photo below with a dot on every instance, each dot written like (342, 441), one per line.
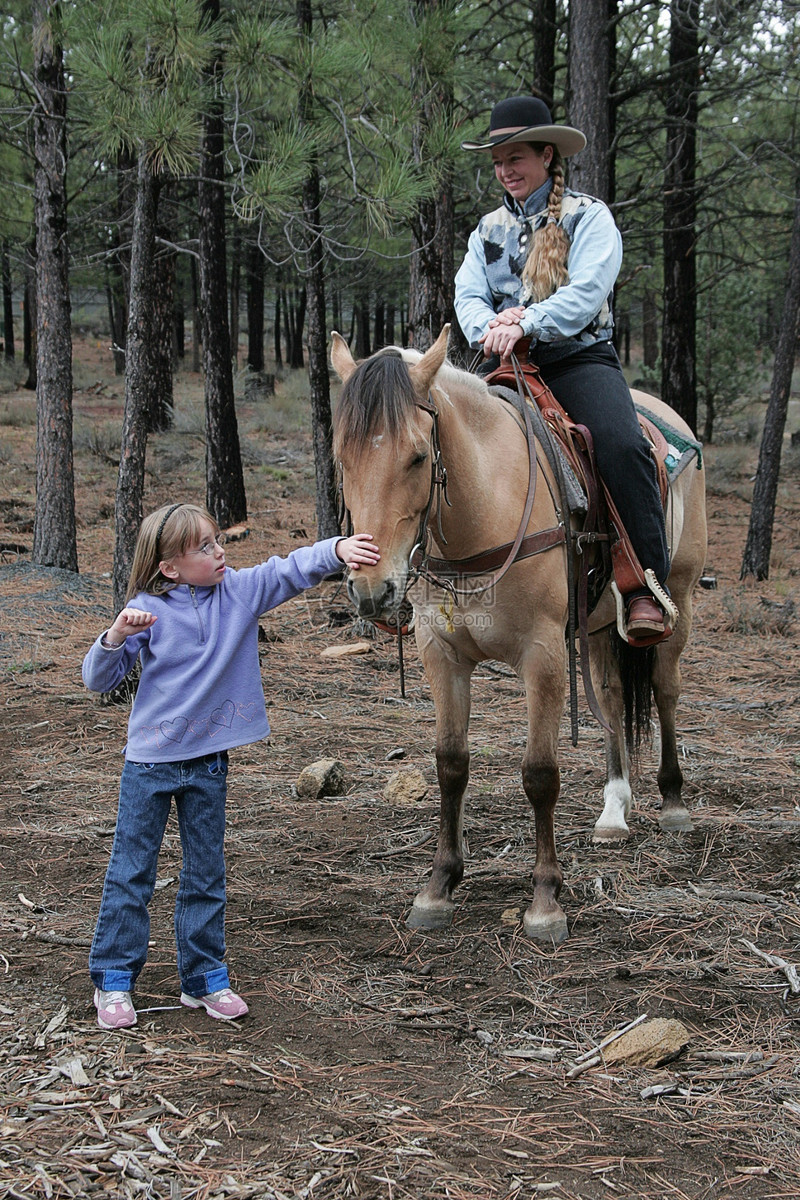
(612, 824)
(674, 816)
(450, 683)
(543, 674)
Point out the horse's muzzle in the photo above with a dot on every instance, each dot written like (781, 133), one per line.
(374, 599)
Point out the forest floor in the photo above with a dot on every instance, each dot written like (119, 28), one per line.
(380, 1062)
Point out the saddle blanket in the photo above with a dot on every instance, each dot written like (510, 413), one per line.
(680, 449)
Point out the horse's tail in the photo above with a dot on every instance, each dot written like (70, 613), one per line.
(636, 672)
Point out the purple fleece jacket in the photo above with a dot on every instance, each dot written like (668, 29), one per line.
(200, 689)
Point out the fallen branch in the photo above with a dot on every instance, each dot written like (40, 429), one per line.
(779, 963)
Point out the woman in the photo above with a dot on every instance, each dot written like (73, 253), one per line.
(543, 266)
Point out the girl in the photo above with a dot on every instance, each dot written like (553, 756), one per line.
(193, 623)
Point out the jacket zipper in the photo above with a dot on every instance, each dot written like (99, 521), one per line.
(201, 633)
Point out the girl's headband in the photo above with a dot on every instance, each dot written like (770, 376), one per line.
(164, 520)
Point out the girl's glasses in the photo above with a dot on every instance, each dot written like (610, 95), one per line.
(209, 547)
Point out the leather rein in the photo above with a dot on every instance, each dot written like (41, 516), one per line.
(443, 572)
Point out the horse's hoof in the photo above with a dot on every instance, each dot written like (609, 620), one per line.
(609, 835)
(551, 929)
(675, 820)
(430, 916)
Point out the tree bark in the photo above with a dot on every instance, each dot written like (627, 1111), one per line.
(163, 298)
(280, 305)
(678, 334)
(119, 266)
(314, 256)
(29, 321)
(590, 103)
(361, 319)
(758, 547)
(235, 289)
(54, 538)
(544, 50)
(319, 379)
(8, 306)
(255, 307)
(295, 324)
(225, 492)
(197, 320)
(430, 303)
(649, 329)
(138, 367)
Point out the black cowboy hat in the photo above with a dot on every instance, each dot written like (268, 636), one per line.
(527, 119)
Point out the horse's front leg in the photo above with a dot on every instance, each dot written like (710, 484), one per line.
(450, 683)
(543, 675)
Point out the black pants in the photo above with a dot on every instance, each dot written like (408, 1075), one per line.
(591, 387)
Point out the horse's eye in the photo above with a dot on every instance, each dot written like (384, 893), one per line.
(419, 459)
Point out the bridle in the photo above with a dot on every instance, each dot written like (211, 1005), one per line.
(420, 553)
(442, 573)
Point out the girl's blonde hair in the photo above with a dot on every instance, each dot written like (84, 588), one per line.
(169, 531)
(546, 268)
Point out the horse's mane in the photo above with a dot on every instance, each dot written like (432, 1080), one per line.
(380, 395)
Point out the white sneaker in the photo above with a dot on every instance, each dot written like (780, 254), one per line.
(114, 1009)
(224, 1005)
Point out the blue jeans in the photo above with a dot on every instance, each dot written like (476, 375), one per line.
(119, 948)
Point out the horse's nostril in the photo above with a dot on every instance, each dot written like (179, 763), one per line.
(371, 599)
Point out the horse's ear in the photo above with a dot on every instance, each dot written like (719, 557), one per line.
(343, 362)
(423, 373)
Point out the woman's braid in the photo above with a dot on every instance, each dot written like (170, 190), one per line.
(546, 267)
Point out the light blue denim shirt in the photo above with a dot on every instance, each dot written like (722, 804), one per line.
(490, 277)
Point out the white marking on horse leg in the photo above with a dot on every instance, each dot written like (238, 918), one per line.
(612, 824)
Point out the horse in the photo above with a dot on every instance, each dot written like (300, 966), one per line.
(428, 455)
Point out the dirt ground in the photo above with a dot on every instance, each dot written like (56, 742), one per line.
(380, 1062)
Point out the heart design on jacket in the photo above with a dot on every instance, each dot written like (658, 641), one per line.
(224, 714)
(174, 731)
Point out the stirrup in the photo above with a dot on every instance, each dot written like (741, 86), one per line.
(664, 599)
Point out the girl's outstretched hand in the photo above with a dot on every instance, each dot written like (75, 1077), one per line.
(358, 551)
(130, 620)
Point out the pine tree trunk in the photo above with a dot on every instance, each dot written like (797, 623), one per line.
(8, 306)
(280, 304)
(544, 50)
(298, 320)
(361, 317)
(119, 266)
(649, 329)
(430, 293)
(235, 288)
(138, 368)
(54, 538)
(678, 335)
(225, 493)
(178, 322)
(255, 307)
(197, 320)
(380, 323)
(163, 296)
(589, 105)
(29, 322)
(758, 547)
(319, 379)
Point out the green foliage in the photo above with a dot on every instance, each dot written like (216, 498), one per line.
(273, 184)
(137, 66)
